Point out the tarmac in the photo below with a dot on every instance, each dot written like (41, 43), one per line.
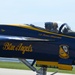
(4, 71)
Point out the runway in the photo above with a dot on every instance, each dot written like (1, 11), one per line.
(4, 71)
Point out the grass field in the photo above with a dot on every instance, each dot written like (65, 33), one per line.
(14, 65)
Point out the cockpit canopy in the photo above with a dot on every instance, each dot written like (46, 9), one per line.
(54, 27)
(64, 28)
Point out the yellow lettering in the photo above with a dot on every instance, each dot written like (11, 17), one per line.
(20, 47)
(8, 46)
(30, 48)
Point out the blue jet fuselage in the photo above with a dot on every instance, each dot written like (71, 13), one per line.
(52, 47)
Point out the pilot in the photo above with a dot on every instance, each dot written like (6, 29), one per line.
(55, 27)
(48, 26)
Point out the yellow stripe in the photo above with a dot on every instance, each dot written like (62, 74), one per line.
(54, 64)
(32, 28)
(47, 63)
(65, 67)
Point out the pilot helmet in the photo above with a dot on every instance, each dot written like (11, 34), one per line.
(55, 25)
(48, 25)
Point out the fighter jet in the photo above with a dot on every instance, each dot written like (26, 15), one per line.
(48, 47)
